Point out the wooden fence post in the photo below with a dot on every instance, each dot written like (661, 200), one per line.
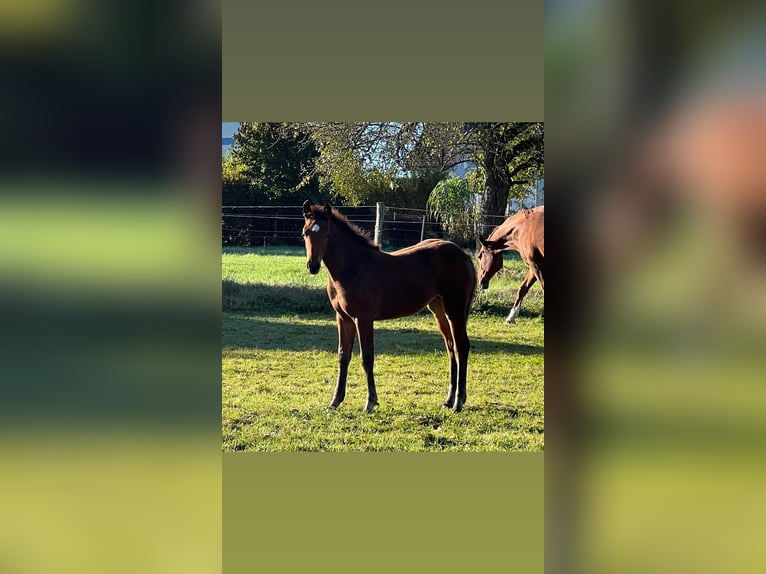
(379, 208)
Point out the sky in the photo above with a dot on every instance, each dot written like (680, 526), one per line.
(228, 129)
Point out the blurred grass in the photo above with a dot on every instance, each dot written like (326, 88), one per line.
(654, 126)
(110, 383)
(133, 246)
(79, 501)
(672, 508)
(102, 299)
(673, 395)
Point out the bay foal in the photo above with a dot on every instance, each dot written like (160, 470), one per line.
(365, 284)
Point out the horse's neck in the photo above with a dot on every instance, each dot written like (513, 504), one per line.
(343, 256)
(510, 229)
(504, 232)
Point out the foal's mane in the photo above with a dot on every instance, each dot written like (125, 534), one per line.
(351, 231)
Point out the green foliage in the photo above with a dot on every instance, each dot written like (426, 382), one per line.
(235, 185)
(412, 191)
(364, 161)
(395, 162)
(526, 165)
(453, 202)
(278, 162)
(348, 178)
(233, 170)
(511, 158)
(342, 168)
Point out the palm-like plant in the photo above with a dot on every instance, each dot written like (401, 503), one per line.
(453, 202)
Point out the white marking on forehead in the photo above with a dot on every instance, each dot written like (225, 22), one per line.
(315, 227)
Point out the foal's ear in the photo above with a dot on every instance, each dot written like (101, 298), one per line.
(492, 244)
(327, 209)
(496, 245)
(306, 208)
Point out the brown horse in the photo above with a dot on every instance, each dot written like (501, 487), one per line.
(365, 284)
(523, 232)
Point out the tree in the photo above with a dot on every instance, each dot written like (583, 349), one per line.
(278, 162)
(511, 157)
(235, 187)
(412, 190)
(374, 161)
(232, 170)
(362, 160)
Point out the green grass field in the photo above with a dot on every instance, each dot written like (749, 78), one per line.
(279, 362)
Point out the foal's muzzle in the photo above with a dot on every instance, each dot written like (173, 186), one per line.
(313, 267)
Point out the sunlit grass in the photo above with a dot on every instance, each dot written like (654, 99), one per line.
(280, 364)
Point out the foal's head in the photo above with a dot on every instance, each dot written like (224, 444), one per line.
(490, 258)
(316, 231)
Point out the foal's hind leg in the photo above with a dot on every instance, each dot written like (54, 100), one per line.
(523, 288)
(437, 308)
(458, 319)
(364, 328)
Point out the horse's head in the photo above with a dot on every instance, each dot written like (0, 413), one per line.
(316, 231)
(490, 257)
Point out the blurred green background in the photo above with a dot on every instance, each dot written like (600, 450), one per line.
(109, 289)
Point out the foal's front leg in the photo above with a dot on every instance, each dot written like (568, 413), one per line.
(367, 345)
(346, 336)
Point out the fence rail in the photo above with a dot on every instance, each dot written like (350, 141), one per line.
(256, 225)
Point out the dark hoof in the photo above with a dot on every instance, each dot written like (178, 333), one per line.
(370, 407)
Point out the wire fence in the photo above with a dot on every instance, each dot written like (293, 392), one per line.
(261, 225)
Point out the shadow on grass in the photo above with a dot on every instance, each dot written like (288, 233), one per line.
(275, 301)
(263, 332)
(501, 310)
(269, 300)
(498, 303)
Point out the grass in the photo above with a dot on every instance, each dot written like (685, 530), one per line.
(279, 364)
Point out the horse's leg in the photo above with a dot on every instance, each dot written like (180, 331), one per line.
(437, 308)
(520, 294)
(346, 336)
(364, 328)
(458, 318)
(537, 268)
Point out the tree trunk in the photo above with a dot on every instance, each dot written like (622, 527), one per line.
(495, 194)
